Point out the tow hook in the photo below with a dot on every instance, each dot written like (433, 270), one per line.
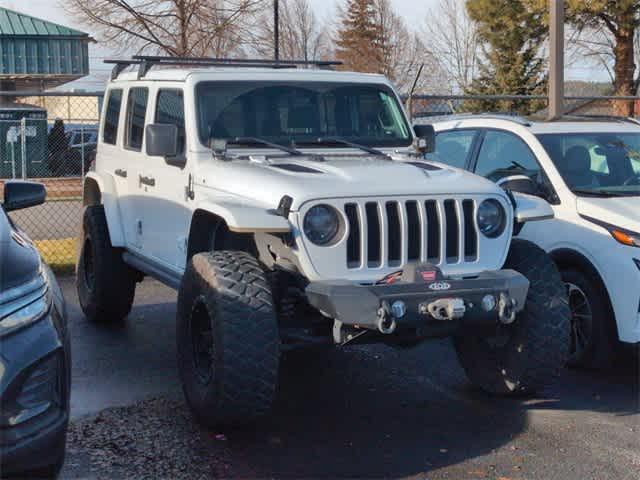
(445, 309)
(506, 309)
(386, 322)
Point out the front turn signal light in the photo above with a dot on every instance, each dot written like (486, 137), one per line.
(625, 238)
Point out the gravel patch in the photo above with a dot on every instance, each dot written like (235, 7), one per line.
(153, 439)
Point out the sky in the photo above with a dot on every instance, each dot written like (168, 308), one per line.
(414, 11)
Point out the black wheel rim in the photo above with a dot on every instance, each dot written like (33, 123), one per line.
(581, 320)
(202, 342)
(88, 265)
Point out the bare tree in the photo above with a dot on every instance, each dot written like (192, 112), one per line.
(171, 27)
(404, 53)
(452, 39)
(302, 36)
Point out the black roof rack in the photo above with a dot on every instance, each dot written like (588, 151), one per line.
(146, 62)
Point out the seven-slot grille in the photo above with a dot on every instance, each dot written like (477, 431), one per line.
(392, 233)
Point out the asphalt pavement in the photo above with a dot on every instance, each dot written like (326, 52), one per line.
(358, 412)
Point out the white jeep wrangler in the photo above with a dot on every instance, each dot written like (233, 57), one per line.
(291, 208)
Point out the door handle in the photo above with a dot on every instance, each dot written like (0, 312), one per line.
(121, 173)
(149, 181)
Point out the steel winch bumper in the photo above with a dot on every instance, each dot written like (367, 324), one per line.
(422, 295)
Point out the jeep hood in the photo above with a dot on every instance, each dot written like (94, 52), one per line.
(623, 212)
(314, 178)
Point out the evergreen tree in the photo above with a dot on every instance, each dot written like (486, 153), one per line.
(359, 44)
(512, 33)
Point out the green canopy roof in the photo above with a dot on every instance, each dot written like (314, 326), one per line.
(19, 24)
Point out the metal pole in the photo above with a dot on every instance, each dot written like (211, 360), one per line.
(23, 142)
(276, 30)
(556, 62)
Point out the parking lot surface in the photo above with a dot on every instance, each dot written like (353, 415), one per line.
(359, 412)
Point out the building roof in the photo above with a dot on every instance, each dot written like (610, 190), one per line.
(19, 24)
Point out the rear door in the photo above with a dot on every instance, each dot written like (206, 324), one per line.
(111, 159)
(133, 157)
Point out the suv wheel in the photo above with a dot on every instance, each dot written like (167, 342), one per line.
(530, 353)
(592, 327)
(106, 285)
(227, 338)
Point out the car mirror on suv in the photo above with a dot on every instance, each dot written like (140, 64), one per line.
(425, 138)
(19, 194)
(520, 184)
(162, 141)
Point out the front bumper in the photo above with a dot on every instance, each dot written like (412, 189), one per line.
(34, 394)
(372, 306)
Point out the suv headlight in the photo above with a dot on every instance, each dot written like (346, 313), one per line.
(23, 305)
(491, 218)
(322, 224)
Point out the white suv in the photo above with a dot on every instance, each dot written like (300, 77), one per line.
(292, 208)
(588, 168)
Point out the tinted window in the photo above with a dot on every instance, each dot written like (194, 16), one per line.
(301, 112)
(170, 111)
(503, 154)
(604, 163)
(136, 112)
(111, 117)
(453, 147)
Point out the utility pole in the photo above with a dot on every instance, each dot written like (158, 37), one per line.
(556, 62)
(276, 30)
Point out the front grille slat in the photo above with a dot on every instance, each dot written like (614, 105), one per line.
(354, 241)
(434, 239)
(470, 231)
(414, 226)
(391, 233)
(375, 235)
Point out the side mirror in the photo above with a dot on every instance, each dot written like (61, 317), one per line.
(162, 141)
(425, 138)
(18, 195)
(531, 209)
(519, 183)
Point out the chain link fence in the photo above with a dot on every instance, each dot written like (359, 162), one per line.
(52, 138)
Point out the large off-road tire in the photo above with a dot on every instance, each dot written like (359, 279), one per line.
(106, 285)
(530, 353)
(227, 339)
(593, 329)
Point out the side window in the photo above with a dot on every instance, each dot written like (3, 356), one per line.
(111, 117)
(170, 110)
(503, 154)
(452, 148)
(136, 112)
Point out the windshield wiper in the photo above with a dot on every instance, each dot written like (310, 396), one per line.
(343, 141)
(250, 140)
(600, 193)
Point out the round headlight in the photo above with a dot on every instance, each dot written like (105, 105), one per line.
(491, 218)
(321, 224)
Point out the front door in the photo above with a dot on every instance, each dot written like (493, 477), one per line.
(166, 215)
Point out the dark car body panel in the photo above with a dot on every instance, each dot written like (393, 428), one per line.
(34, 358)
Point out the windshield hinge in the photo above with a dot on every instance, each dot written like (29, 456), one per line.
(189, 189)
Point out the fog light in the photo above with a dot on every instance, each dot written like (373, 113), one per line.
(488, 303)
(398, 309)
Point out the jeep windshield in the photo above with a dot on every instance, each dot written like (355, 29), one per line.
(301, 114)
(596, 164)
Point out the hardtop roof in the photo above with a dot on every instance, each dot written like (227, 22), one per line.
(239, 73)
